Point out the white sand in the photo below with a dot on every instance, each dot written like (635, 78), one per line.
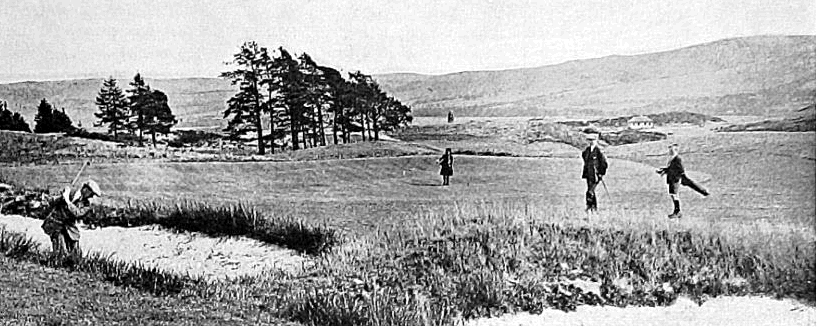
(721, 311)
(183, 253)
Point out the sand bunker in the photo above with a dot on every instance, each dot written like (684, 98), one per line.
(182, 253)
(217, 258)
(721, 311)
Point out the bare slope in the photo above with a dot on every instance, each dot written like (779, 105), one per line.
(752, 75)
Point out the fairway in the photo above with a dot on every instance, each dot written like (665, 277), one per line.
(751, 177)
(364, 193)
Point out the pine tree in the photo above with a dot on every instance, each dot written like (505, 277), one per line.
(113, 107)
(19, 123)
(12, 121)
(336, 103)
(246, 107)
(6, 122)
(44, 118)
(158, 116)
(61, 121)
(139, 101)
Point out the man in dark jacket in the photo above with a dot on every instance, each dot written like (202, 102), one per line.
(673, 172)
(675, 177)
(593, 170)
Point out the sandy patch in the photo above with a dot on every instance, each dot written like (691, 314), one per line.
(182, 253)
(721, 311)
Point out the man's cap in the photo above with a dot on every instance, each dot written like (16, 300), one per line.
(94, 187)
(673, 145)
(590, 130)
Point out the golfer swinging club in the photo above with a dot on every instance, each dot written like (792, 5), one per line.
(61, 224)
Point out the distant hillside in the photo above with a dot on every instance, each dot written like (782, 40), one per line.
(197, 101)
(764, 75)
(804, 120)
(657, 118)
(745, 76)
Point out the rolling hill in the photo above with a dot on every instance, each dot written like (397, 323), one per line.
(751, 75)
(762, 75)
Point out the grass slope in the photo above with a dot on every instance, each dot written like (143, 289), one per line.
(804, 121)
(38, 295)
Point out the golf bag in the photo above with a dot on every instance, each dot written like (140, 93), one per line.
(693, 185)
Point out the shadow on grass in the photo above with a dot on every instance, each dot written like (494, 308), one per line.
(425, 184)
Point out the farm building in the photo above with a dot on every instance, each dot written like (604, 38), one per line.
(640, 122)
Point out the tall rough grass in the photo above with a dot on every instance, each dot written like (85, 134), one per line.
(468, 267)
(486, 260)
(237, 220)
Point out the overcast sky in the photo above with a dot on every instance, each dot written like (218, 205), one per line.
(52, 39)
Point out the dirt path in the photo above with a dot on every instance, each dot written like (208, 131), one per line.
(722, 311)
(182, 253)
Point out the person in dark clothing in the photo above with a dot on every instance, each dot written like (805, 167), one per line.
(446, 162)
(675, 177)
(61, 223)
(594, 168)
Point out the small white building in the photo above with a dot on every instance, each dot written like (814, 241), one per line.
(640, 122)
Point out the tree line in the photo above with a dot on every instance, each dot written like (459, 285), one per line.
(302, 101)
(144, 110)
(48, 119)
(281, 101)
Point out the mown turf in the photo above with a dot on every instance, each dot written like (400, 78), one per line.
(354, 195)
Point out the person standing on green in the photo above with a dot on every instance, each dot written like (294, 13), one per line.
(593, 170)
(446, 162)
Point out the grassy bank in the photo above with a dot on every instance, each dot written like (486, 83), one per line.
(472, 266)
(484, 260)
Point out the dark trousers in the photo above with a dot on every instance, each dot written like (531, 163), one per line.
(63, 245)
(591, 194)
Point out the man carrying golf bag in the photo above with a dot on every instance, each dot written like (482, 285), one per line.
(675, 175)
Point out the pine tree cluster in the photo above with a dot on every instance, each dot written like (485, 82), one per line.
(144, 110)
(302, 101)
